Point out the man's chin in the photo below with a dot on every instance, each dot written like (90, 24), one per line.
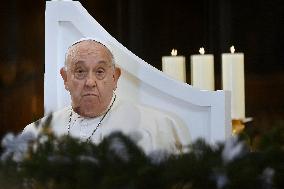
(91, 110)
(90, 113)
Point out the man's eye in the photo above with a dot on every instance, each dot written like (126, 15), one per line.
(100, 73)
(80, 73)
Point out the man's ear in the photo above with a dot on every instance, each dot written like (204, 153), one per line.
(63, 74)
(116, 75)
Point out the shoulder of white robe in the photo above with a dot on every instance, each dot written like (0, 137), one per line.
(58, 115)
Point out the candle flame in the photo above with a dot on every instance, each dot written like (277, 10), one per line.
(232, 49)
(202, 50)
(174, 52)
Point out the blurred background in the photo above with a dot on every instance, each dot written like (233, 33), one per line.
(150, 29)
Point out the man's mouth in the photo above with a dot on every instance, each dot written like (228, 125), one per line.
(90, 94)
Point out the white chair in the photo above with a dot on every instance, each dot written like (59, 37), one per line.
(206, 114)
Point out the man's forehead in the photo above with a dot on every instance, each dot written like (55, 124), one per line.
(93, 40)
(88, 46)
(85, 49)
(98, 63)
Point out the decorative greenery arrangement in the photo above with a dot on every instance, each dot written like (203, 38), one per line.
(117, 162)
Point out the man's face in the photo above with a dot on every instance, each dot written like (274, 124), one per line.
(90, 78)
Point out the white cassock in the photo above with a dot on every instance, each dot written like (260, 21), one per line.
(151, 129)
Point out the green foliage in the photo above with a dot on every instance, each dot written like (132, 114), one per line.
(117, 162)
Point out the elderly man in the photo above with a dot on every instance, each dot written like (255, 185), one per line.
(90, 76)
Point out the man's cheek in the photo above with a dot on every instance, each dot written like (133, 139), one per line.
(108, 84)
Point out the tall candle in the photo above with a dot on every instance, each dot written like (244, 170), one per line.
(174, 66)
(233, 80)
(202, 70)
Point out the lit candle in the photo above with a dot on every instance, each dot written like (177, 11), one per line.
(174, 66)
(233, 80)
(202, 70)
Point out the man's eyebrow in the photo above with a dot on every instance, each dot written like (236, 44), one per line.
(101, 62)
(79, 62)
(104, 62)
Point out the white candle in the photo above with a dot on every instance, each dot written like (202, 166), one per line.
(202, 70)
(174, 66)
(233, 80)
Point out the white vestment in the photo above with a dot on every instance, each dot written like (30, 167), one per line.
(151, 129)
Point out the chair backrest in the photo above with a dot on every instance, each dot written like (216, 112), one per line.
(205, 113)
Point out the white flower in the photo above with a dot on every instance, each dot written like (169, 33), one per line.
(59, 158)
(267, 177)
(233, 148)
(119, 148)
(16, 146)
(43, 139)
(84, 158)
(158, 157)
(135, 136)
(221, 180)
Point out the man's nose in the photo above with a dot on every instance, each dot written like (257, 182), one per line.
(91, 80)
